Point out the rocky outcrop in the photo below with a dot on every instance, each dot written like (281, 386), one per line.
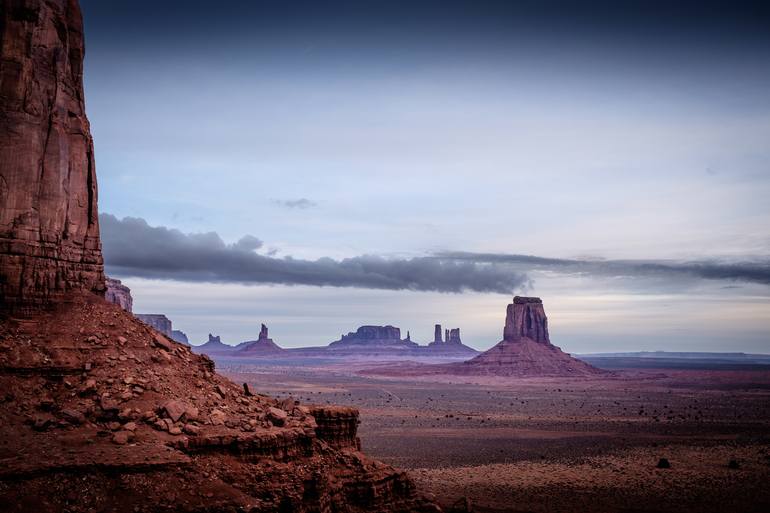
(118, 294)
(451, 336)
(180, 336)
(373, 337)
(337, 425)
(264, 345)
(158, 322)
(450, 344)
(526, 349)
(49, 225)
(525, 318)
(101, 412)
(99, 409)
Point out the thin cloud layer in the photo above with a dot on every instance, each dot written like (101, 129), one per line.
(132, 248)
(298, 204)
(756, 271)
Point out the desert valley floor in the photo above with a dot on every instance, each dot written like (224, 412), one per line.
(557, 444)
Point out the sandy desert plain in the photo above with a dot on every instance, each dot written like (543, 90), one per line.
(491, 444)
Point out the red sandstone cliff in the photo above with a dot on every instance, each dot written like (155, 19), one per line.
(49, 227)
(100, 412)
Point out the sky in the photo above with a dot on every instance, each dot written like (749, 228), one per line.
(317, 166)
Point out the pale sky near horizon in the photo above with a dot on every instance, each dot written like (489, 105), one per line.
(404, 130)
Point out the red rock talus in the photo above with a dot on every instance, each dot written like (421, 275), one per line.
(49, 227)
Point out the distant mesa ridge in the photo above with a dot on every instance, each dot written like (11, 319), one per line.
(163, 324)
(119, 294)
(214, 346)
(373, 337)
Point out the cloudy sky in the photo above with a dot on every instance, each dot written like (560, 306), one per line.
(321, 165)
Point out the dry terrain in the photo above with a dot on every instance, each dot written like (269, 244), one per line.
(589, 444)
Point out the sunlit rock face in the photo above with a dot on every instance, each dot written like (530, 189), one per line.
(49, 226)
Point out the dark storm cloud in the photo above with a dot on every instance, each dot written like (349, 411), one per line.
(432, 23)
(132, 248)
(300, 203)
(754, 271)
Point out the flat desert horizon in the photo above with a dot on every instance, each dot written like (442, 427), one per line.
(460, 256)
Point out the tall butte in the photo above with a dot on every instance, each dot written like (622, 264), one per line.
(99, 411)
(526, 348)
(49, 226)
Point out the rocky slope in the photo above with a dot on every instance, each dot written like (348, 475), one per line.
(98, 411)
(49, 227)
(101, 412)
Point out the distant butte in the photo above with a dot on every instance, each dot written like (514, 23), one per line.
(526, 348)
(262, 346)
(367, 338)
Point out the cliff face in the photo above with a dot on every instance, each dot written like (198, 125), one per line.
(157, 321)
(526, 348)
(49, 227)
(99, 411)
(119, 294)
(525, 317)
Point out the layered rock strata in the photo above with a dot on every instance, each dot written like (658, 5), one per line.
(49, 224)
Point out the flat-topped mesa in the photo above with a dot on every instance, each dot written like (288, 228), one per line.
(454, 336)
(118, 294)
(158, 322)
(525, 318)
(373, 337)
(49, 224)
